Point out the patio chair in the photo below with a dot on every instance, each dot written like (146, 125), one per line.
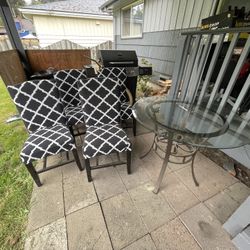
(67, 85)
(101, 106)
(39, 105)
(126, 96)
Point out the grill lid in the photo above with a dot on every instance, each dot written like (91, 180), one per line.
(118, 58)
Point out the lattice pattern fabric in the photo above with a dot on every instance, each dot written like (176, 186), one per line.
(120, 73)
(101, 100)
(67, 85)
(38, 103)
(74, 115)
(46, 142)
(126, 111)
(105, 140)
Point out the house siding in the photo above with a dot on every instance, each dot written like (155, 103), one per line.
(163, 22)
(85, 32)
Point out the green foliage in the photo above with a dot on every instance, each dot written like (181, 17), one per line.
(143, 89)
(15, 182)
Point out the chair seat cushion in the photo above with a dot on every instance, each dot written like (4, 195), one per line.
(104, 140)
(126, 111)
(45, 142)
(74, 115)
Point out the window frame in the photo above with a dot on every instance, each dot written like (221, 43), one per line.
(121, 23)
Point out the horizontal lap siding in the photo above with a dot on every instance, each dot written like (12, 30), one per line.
(163, 22)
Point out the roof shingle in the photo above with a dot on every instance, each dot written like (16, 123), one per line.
(77, 6)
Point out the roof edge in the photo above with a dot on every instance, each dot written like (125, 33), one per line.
(64, 14)
(105, 7)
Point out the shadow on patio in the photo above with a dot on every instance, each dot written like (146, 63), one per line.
(120, 211)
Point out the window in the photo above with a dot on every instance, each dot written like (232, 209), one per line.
(132, 20)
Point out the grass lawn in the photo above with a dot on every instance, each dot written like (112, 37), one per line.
(15, 182)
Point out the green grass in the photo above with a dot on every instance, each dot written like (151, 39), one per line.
(15, 182)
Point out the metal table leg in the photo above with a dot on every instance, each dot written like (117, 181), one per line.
(164, 164)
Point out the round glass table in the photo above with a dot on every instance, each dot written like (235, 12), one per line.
(189, 124)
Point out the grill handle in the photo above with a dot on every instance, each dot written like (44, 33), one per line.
(119, 63)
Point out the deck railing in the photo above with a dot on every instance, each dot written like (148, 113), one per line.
(199, 61)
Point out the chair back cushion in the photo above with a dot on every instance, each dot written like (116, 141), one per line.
(101, 100)
(120, 73)
(38, 103)
(67, 85)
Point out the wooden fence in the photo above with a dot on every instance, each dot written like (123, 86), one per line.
(30, 44)
(58, 59)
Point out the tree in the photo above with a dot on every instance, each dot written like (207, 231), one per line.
(15, 4)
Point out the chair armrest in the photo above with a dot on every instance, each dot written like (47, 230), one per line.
(130, 97)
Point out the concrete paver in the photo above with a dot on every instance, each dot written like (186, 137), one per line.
(123, 221)
(86, 229)
(52, 236)
(212, 178)
(239, 192)
(148, 203)
(222, 206)
(174, 235)
(107, 182)
(47, 200)
(177, 194)
(145, 243)
(78, 192)
(206, 229)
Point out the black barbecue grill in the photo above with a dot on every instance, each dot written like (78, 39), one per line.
(123, 58)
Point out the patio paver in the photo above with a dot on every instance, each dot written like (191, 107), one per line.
(177, 194)
(138, 177)
(52, 236)
(222, 206)
(123, 221)
(107, 182)
(211, 178)
(47, 201)
(145, 243)
(87, 230)
(174, 235)
(154, 210)
(206, 228)
(78, 192)
(239, 192)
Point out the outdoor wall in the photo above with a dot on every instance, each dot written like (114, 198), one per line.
(163, 22)
(85, 32)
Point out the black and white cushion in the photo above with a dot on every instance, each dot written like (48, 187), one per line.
(68, 89)
(101, 105)
(39, 105)
(120, 73)
(104, 140)
(101, 100)
(126, 111)
(47, 141)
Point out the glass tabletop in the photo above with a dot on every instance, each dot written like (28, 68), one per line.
(191, 124)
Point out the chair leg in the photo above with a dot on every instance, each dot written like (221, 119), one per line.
(88, 169)
(34, 174)
(128, 162)
(134, 126)
(78, 162)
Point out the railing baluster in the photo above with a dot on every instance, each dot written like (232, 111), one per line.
(211, 67)
(242, 94)
(235, 74)
(195, 83)
(223, 69)
(182, 52)
(190, 66)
